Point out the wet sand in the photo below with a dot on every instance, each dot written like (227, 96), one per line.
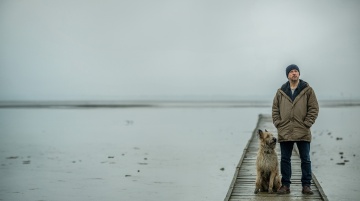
(153, 153)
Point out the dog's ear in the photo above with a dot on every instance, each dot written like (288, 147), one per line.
(260, 133)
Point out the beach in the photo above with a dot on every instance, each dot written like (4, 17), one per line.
(152, 153)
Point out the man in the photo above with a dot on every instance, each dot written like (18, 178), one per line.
(294, 111)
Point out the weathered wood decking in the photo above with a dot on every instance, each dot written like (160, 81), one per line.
(243, 184)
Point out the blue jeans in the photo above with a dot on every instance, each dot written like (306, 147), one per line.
(304, 151)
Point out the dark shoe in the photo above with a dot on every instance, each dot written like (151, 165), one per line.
(283, 190)
(307, 190)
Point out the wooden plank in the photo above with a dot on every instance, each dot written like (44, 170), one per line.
(243, 183)
(274, 198)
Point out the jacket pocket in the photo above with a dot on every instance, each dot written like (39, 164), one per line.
(307, 124)
(277, 123)
(302, 124)
(282, 123)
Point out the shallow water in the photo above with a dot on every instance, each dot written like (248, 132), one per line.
(336, 151)
(153, 153)
(127, 154)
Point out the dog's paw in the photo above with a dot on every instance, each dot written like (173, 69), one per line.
(256, 191)
(270, 191)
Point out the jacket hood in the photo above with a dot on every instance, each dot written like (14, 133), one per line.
(286, 87)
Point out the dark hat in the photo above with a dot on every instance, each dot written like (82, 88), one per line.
(291, 67)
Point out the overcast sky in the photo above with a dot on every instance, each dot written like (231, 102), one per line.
(113, 50)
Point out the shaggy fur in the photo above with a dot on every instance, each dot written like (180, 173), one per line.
(267, 165)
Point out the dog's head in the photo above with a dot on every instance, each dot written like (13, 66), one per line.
(267, 139)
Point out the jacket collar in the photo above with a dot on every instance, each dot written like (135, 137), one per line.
(286, 87)
(286, 91)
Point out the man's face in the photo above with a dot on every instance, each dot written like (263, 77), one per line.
(293, 75)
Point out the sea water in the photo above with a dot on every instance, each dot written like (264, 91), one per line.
(180, 153)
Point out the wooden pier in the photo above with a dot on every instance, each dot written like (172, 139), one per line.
(243, 184)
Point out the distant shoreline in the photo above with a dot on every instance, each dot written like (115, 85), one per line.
(161, 104)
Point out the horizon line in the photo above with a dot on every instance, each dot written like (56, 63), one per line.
(159, 103)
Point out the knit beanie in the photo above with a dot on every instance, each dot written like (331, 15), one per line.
(291, 67)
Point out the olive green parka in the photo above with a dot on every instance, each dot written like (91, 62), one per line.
(293, 116)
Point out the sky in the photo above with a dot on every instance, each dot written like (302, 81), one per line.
(139, 49)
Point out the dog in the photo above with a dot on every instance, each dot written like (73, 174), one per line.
(267, 164)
